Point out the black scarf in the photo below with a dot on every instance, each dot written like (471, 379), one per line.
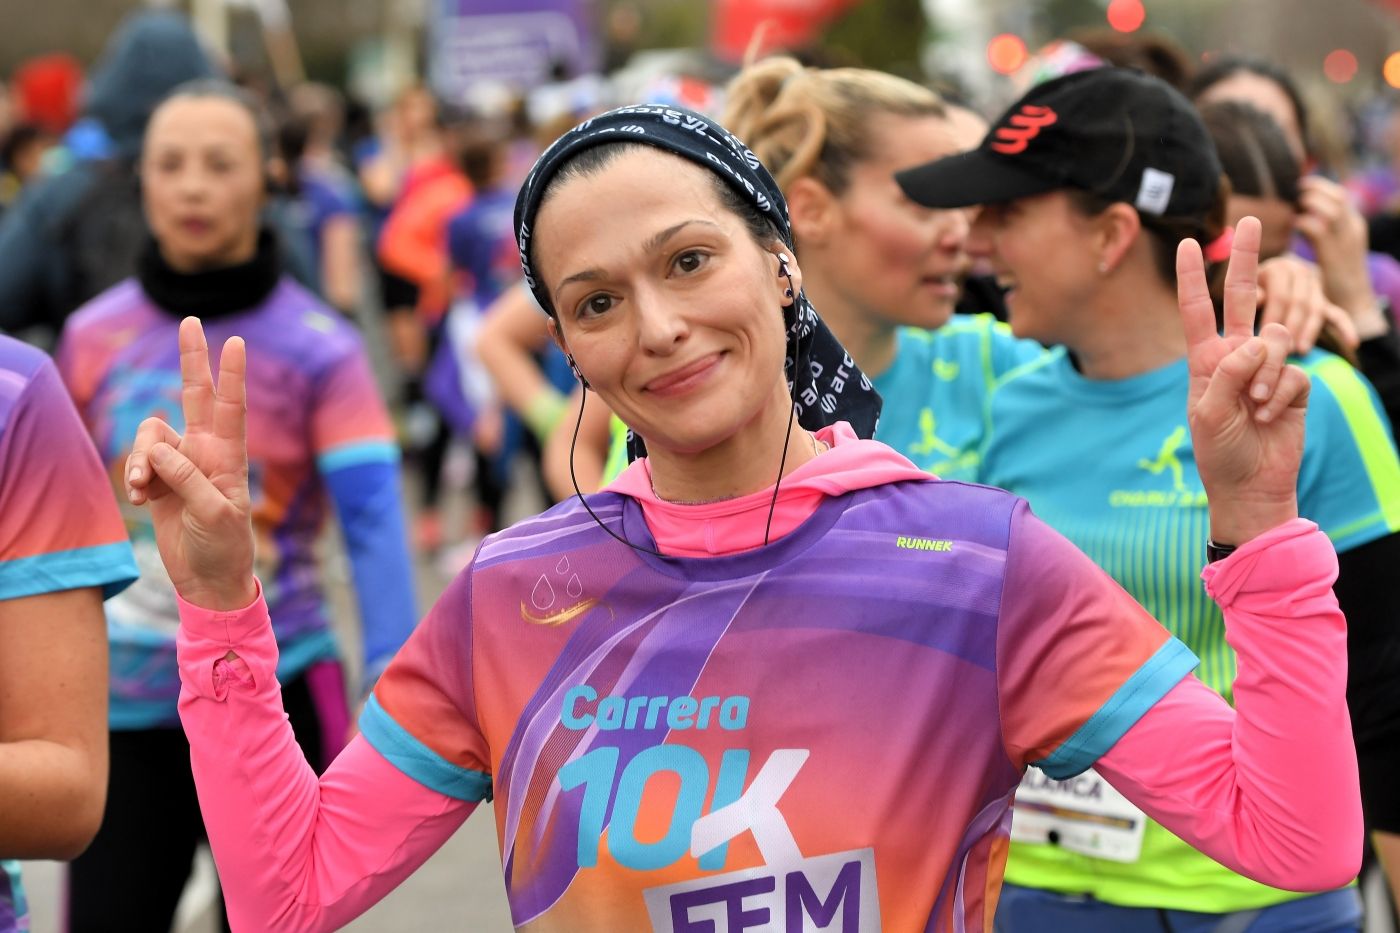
(825, 383)
(213, 293)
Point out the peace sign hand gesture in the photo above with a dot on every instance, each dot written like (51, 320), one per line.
(197, 484)
(1246, 406)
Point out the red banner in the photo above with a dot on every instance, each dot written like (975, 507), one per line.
(778, 24)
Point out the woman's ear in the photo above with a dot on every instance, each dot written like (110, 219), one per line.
(1119, 227)
(812, 209)
(552, 325)
(789, 273)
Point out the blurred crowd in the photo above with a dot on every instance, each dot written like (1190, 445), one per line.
(399, 217)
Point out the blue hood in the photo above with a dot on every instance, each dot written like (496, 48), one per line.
(151, 54)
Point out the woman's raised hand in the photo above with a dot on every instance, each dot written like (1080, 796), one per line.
(197, 484)
(1246, 406)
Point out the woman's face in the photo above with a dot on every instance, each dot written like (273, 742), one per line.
(416, 112)
(671, 310)
(202, 182)
(899, 261)
(1275, 214)
(1264, 94)
(1041, 249)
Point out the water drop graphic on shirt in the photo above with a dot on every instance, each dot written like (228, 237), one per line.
(563, 566)
(542, 596)
(575, 588)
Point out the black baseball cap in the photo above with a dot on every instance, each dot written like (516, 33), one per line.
(1114, 132)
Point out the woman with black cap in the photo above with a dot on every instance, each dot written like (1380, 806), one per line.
(1088, 185)
(693, 706)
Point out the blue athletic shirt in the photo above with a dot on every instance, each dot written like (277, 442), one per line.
(936, 390)
(1109, 464)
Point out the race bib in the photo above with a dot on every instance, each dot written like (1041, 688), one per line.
(1083, 814)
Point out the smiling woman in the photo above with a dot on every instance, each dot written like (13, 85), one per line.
(1089, 185)
(320, 439)
(670, 325)
(797, 674)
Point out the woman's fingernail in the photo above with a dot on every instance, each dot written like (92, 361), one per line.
(1259, 392)
(134, 496)
(135, 475)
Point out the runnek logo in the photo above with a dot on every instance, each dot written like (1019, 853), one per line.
(923, 544)
(1022, 128)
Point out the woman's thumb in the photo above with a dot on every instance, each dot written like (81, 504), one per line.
(185, 479)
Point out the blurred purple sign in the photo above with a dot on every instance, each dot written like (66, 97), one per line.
(517, 43)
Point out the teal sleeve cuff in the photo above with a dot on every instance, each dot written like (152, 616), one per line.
(405, 752)
(357, 454)
(110, 566)
(1139, 693)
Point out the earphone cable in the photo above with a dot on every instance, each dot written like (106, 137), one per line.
(792, 411)
(583, 399)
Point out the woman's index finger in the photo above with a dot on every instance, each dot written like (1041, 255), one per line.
(1242, 279)
(1193, 295)
(231, 395)
(196, 380)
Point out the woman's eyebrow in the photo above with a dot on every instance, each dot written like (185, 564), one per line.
(660, 239)
(651, 245)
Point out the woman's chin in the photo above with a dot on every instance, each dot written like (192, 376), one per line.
(925, 313)
(689, 443)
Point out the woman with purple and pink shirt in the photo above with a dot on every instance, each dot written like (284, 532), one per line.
(321, 442)
(703, 694)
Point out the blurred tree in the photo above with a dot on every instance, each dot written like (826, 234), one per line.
(883, 34)
(666, 24)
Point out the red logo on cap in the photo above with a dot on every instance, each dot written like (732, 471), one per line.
(1022, 128)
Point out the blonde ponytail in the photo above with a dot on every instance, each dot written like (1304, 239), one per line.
(815, 122)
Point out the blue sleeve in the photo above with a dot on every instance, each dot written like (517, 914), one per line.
(470, 251)
(367, 499)
(1349, 482)
(327, 202)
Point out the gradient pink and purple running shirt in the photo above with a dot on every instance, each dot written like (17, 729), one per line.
(59, 525)
(763, 739)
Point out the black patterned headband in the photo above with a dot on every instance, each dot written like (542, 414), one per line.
(826, 384)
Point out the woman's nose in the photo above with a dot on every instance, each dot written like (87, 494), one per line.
(661, 324)
(979, 236)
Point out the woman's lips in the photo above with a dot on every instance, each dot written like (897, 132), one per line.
(688, 377)
(944, 286)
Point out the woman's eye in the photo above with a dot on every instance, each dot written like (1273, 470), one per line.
(598, 304)
(690, 261)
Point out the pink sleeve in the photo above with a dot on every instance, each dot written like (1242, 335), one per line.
(1268, 789)
(1078, 659)
(293, 852)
